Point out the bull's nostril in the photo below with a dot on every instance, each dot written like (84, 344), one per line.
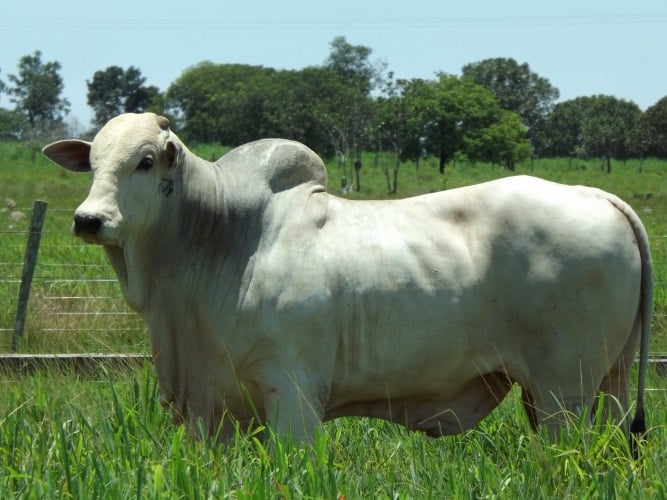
(86, 224)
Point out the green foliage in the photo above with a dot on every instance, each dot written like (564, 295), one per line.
(219, 102)
(115, 91)
(348, 104)
(605, 130)
(351, 64)
(343, 117)
(655, 128)
(503, 142)
(594, 127)
(517, 89)
(456, 115)
(36, 92)
(330, 108)
(63, 436)
(294, 102)
(13, 125)
(564, 124)
(398, 126)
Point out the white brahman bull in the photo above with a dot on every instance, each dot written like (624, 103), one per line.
(266, 297)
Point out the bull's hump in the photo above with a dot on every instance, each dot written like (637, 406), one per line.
(281, 163)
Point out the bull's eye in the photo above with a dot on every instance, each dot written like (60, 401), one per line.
(145, 164)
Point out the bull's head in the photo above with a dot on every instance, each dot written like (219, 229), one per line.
(132, 160)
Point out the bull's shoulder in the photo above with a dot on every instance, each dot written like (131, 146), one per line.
(280, 163)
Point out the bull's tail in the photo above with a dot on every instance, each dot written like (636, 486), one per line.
(638, 425)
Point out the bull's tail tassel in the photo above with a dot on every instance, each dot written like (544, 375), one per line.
(637, 432)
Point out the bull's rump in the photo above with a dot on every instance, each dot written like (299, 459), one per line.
(520, 276)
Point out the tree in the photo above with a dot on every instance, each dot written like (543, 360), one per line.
(13, 125)
(344, 117)
(351, 64)
(290, 106)
(139, 97)
(449, 109)
(600, 126)
(503, 142)
(115, 90)
(219, 102)
(518, 89)
(607, 128)
(564, 127)
(105, 93)
(654, 123)
(36, 93)
(397, 124)
(458, 116)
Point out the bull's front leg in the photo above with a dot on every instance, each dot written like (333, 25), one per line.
(292, 407)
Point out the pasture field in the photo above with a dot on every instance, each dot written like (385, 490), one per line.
(107, 437)
(64, 437)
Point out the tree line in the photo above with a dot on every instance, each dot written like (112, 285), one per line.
(497, 110)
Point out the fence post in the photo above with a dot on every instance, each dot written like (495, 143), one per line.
(29, 262)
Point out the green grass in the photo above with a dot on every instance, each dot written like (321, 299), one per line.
(66, 436)
(109, 438)
(75, 302)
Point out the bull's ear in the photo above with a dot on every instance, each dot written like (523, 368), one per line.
(71, 154)
(173, 153)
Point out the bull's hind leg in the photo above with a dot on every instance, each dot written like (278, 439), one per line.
(560, 402)
(564, 387)
(556, 411)
(615, 392)
(615, 385)
(462, 412)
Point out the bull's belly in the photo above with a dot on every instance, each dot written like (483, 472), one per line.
(454, 409)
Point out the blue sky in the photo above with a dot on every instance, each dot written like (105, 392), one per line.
(583, 47)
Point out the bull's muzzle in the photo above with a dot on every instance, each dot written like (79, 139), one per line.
(87, 225)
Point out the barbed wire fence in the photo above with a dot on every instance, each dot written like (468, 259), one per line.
(76, 313)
